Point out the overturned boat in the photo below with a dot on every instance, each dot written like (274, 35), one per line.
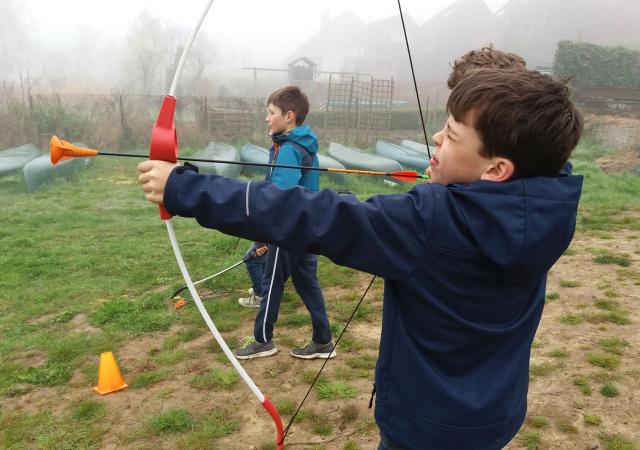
(15, 158)
(222, 152)
(408, 158)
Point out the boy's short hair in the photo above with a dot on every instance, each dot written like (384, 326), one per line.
(291, 98)
(484, 58)
(524, 116)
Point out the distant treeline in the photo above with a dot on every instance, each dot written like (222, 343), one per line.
(596, 66)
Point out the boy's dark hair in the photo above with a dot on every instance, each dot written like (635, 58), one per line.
(524, 116)
(291, 98)
(484, 58)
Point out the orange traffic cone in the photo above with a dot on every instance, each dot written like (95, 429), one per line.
(109, 378)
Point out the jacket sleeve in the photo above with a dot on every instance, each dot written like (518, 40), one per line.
(387, 235)
(285, 178)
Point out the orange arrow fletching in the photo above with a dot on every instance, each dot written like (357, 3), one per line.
(405, 176)
(60, 150)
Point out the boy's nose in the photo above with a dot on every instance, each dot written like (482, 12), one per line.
(437, 138)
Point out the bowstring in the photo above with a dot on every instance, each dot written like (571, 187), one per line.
(415, 83)
(293, 417)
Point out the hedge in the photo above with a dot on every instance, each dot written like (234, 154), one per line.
(596, 66)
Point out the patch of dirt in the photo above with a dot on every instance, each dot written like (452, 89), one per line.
(601, 119)
(41, 319)
(29, 358)
(621, 161)
(79, 324)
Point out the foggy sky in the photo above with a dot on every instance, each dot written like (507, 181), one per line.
(253, 27)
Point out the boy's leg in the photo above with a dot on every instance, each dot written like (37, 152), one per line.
(276, 272)
(255, 268)
(305, 280)
(274, 276)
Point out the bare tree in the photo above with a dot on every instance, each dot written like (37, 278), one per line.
(147, 54)
(202, 55)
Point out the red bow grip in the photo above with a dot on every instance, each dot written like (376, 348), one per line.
(164, 139)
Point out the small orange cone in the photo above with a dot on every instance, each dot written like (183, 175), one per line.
(109, 378)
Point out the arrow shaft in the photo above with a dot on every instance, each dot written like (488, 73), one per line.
(282, 166)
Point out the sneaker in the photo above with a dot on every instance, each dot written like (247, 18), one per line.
(254, 349)
(253, 301)
(313, 350)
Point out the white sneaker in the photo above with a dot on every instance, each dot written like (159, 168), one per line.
(251, 302)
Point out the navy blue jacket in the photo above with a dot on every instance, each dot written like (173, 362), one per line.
(297, 147)
(465, 269)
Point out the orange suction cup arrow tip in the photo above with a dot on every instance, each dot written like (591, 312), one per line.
(59, 150)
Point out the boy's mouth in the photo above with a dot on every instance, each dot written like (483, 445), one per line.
(433, 161)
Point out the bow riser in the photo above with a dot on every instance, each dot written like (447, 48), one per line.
(164, 139)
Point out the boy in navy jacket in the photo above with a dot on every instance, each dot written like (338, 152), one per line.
(293, 144)
(464, 257)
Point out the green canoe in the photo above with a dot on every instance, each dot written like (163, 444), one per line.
(14, 158)
(253, 154)
(416, 146)
(326, 162)
(356, 159)
(223, 152)
(408, 158)
(40, 171)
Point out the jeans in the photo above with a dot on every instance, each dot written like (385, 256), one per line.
(302, 269)
(255, 268)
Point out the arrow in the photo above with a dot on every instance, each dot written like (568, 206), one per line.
(61, 150)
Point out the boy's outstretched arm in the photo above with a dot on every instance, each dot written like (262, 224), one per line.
(387, 235)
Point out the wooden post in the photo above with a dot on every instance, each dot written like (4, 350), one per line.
(349, 107)
(205, 115)
(326, 107)
(390, 104)
(121, 112)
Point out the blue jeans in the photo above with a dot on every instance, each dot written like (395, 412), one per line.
(282, 265)
(255, 269)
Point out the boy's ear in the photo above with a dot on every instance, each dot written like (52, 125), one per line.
(500, 169)
(290, 116)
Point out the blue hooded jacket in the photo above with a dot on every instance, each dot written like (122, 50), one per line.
(465, 269)
(298, 147)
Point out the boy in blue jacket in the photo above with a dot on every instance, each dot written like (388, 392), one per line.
(293, 144)
(464, 257)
